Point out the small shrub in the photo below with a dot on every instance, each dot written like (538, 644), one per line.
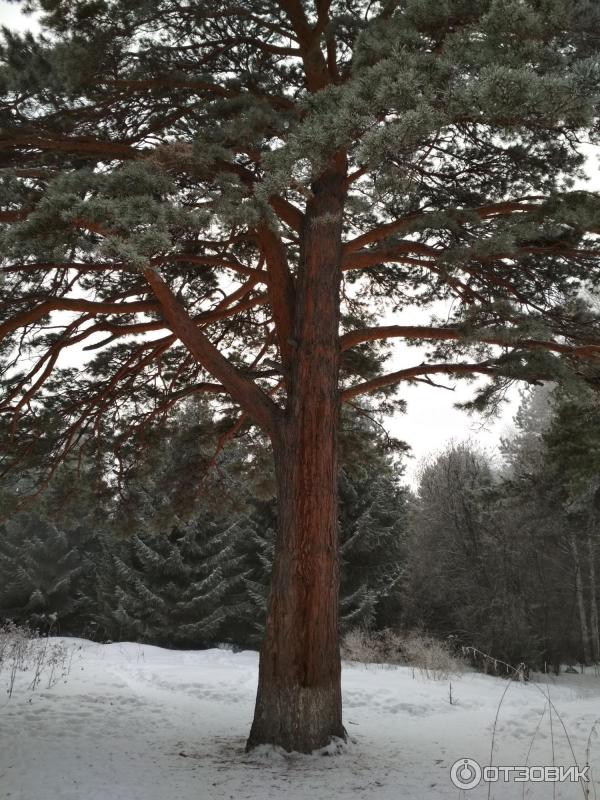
(22, 650)
(362, 646)
(432, 657)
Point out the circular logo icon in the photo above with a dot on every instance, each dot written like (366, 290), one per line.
(465, 773)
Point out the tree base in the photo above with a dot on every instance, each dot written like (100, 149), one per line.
(298, 719)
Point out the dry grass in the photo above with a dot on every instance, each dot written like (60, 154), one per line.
(431, 657)
(24, 652)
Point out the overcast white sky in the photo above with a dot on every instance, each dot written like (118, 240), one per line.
(431, 420)
(11, 16)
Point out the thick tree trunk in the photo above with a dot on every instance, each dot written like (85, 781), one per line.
(298, 705)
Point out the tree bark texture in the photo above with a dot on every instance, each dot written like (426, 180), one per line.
(298, 704)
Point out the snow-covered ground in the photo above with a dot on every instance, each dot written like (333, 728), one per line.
(136, 722)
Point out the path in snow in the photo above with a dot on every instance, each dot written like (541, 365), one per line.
(135, 722)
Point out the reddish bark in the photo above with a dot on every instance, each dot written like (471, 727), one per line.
(242, 389)
(299, 700)
(281, 290)
(433, 333)
(298, 704)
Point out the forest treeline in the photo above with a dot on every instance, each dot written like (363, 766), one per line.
(493, 551)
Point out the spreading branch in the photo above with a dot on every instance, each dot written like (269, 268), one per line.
(243, 390)
(413, 373)
(419, 332)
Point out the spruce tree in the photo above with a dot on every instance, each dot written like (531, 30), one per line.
(49, 549)
(572, 466)
(373, 532)
(46, 575)
(175, 590)
(225, 198)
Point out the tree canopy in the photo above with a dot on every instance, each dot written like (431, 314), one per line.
(160, 164)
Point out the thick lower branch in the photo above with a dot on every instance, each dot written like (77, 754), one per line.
(243, 390)
(456, 334)
(282, 292)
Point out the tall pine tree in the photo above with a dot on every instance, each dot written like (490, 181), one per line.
(224, 197)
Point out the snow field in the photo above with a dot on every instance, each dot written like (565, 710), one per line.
(135, 722)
